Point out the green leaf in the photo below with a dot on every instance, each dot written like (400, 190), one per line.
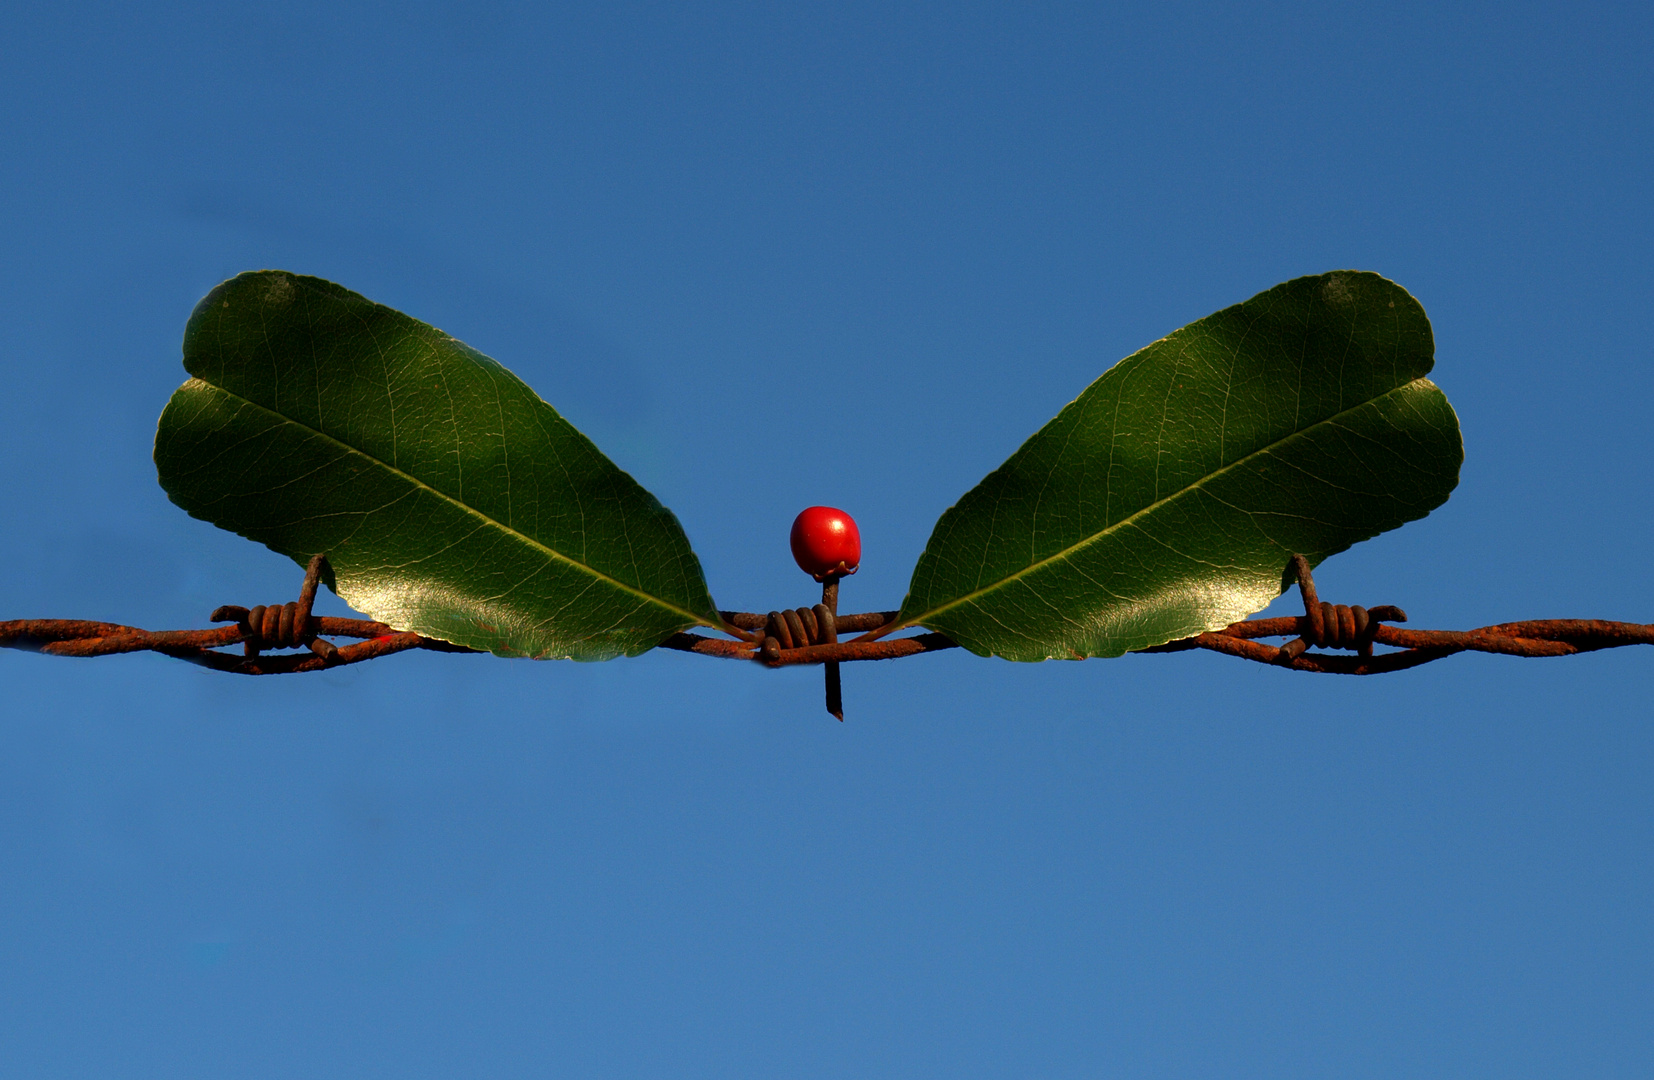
(1166, 499)
(449, 498)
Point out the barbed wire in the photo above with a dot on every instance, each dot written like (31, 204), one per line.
(1335, 630)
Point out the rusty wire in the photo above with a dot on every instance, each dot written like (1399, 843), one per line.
(774, 640)
(277, 626)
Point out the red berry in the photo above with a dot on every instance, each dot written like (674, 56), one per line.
(826, 542)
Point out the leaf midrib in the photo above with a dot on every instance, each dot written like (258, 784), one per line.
(471, 510)
(919, 619)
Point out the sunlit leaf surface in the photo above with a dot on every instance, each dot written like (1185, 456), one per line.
(1167, 498)
(448, 497)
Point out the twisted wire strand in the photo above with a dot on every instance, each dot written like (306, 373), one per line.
(1325, 626)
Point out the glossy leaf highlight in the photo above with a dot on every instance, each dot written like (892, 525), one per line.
(449, 499)
(1166, 499)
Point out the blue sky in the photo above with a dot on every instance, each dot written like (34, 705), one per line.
(688, 229)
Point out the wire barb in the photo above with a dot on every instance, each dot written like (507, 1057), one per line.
(1331, 626)
(786, 631)
(828, 618)
(283, 626)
